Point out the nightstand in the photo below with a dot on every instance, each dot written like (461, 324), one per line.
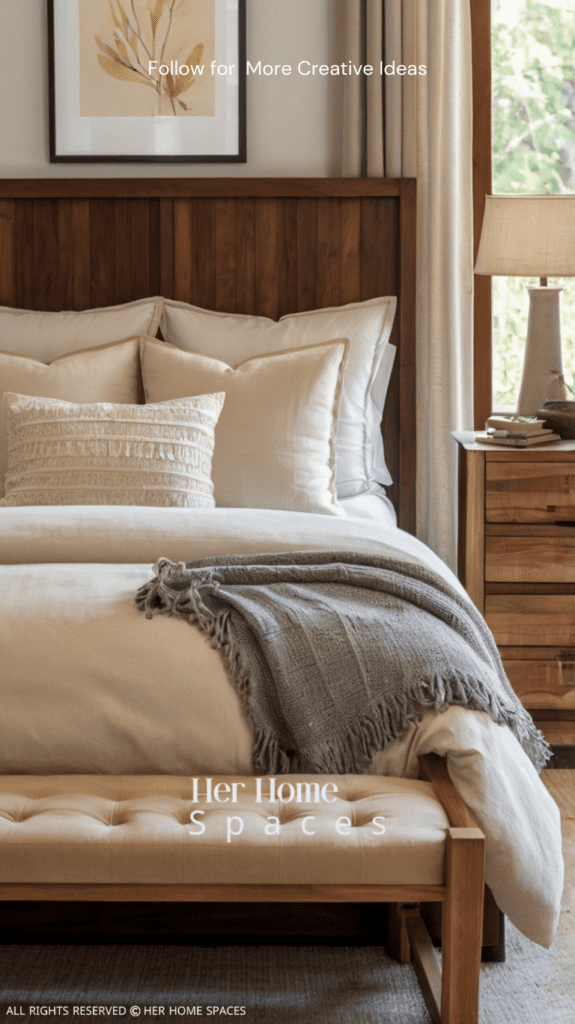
(517, 562)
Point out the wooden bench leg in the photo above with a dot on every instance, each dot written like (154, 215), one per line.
(462, 926)
(398, 943)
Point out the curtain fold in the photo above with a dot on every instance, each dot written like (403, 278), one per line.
(421, 126)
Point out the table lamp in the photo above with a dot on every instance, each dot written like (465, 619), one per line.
(533, 236)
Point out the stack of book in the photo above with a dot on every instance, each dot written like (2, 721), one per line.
(516, 431)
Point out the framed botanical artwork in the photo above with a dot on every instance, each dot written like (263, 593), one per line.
(147, 81)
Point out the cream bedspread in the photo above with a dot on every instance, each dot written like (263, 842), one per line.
(88, 684)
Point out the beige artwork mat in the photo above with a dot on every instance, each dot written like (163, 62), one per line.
(118, 38)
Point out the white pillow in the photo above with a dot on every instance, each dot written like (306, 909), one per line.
(234, 338)
(62, 453)
(275, 439)
(46, 336)
(107, 374)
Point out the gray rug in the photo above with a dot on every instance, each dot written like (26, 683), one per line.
(276, 984)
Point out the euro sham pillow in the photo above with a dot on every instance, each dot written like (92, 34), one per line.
(275, 439)
(47, 336)
(110, 373)
(234, 338)
(63, 453)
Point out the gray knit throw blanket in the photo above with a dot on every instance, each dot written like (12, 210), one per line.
(334, 653)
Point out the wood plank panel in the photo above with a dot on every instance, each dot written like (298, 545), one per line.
(203, 253)
(246, 249)
(48, 285)
(350, 283)
(306, 247)
(530, 559)
(167, 248)
(539, 684)
(103, 275)
(80, 271)
(379, 239)
(226, 255)
(287, 256)
(7, 252)
(530, 492)
(531, 619)
(124, 258)
(267, 247)
(328, 254)
(140, 249)
(183, 290)
(25, 273)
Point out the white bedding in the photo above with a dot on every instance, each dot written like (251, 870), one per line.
(88, 684)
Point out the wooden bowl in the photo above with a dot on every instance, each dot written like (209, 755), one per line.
(560, 416)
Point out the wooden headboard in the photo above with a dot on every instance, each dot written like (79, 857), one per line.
(265, 246)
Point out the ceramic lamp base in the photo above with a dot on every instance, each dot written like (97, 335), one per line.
(542, 352)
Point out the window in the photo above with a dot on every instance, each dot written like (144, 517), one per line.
(533, 151)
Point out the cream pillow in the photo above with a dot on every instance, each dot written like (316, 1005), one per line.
(61, 453)
(233, 338)
(47, 336)
(107, 374)
(275, 439)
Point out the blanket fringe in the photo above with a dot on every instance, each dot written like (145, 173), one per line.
(353, 752)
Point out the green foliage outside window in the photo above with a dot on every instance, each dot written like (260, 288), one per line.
(533, 62)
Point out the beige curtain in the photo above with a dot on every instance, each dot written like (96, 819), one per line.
(421, 126)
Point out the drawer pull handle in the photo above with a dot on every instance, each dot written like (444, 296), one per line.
(567, 667)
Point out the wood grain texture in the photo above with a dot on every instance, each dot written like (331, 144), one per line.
(268, 247)
(434, 769)
(530, 559)
(224, 893)
(530, 491)
(472, 525)
(462, 926)
(7, 252)
(206, 188)
(540, 684)
(426, 966)
(531, 619)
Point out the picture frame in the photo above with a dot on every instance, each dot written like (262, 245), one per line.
(119, 91)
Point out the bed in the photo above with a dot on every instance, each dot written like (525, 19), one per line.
(89, 685)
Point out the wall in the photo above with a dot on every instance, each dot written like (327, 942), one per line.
(288, 118)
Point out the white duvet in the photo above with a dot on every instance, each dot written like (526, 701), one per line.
(89, 685)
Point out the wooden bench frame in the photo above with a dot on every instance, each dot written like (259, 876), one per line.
(451, 993)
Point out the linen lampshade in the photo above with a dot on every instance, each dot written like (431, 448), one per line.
(533, 236)
(528, 236)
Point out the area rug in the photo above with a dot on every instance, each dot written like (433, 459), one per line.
(273, 984)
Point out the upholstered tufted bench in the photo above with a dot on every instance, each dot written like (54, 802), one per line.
(293, 838)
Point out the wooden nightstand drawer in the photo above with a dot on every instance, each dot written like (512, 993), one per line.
(529, 492)
(530, 559)
(533, 620)
(545, 683)
(517, 562)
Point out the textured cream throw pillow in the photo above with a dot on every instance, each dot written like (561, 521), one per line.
(275, 439)
(110, 373)
(61, 453)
